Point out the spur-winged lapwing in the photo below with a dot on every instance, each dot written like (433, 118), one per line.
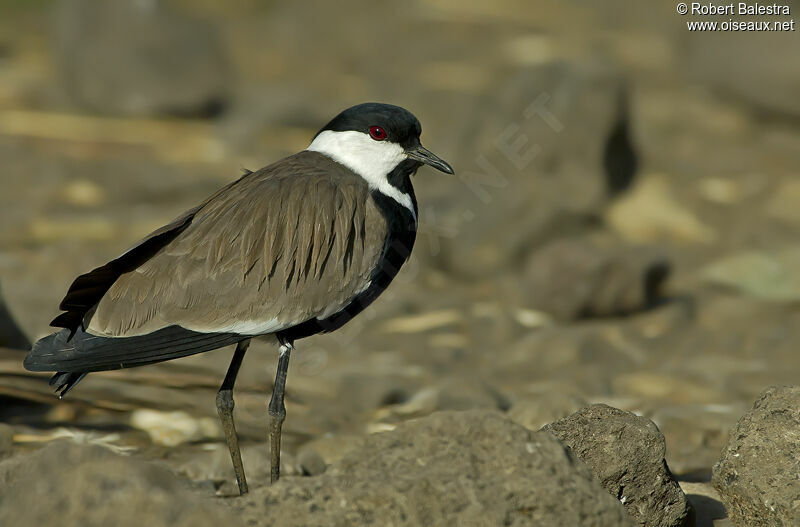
(296, 248)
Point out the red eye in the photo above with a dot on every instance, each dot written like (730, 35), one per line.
(377, 133)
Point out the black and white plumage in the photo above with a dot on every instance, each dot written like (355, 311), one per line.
(296, 248)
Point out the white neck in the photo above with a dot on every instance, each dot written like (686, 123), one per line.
(370, 159)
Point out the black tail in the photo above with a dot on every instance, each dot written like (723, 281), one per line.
(64, 381)
(73, 357)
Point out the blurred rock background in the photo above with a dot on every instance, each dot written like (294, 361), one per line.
(622, 227)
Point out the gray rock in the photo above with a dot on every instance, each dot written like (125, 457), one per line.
(767, 275)
(215, 465)
(539, 155)
(135, 57)
(450, 468)
(70, 485)
(626, 453)
(769, 58)
(310, 462)
(757, 475)
(576, 277)
(333, 447)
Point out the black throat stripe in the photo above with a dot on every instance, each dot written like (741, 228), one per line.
(401, 234)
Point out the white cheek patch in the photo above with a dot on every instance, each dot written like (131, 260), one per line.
(370, 159)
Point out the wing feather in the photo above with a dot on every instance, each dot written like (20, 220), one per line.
(284, 245)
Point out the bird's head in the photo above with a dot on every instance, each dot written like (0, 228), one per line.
(374, 139)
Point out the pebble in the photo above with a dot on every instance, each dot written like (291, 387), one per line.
(87, 228)
(84, 193)
(651, 212)
(657, 386)
(310, 462)
(767, 275)
(174, 428)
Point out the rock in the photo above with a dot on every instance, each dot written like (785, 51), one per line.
(766, 275)
(94, 228)
(651, 212)
(310, 462)
(576, 278)
(534, 413)
(783, 202)
(83, 193)
(757, 475)
(450, 468)
(139, 58)
(174, 428)
(70, 485)
(540, 154)
(725, 191)
(657, 386)
(332, 447)
(11, 336)
(215, 465)
(626, 453)
(769, 58)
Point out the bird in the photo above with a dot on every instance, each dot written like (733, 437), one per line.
(297, 248)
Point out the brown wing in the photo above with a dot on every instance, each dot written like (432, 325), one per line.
(293, 241)
(87, 290)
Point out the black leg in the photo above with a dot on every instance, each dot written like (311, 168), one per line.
(277, 411)
(225, 409)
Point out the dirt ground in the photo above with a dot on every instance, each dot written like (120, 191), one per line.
(622, 227)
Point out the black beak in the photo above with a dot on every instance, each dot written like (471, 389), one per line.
(425, 156)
